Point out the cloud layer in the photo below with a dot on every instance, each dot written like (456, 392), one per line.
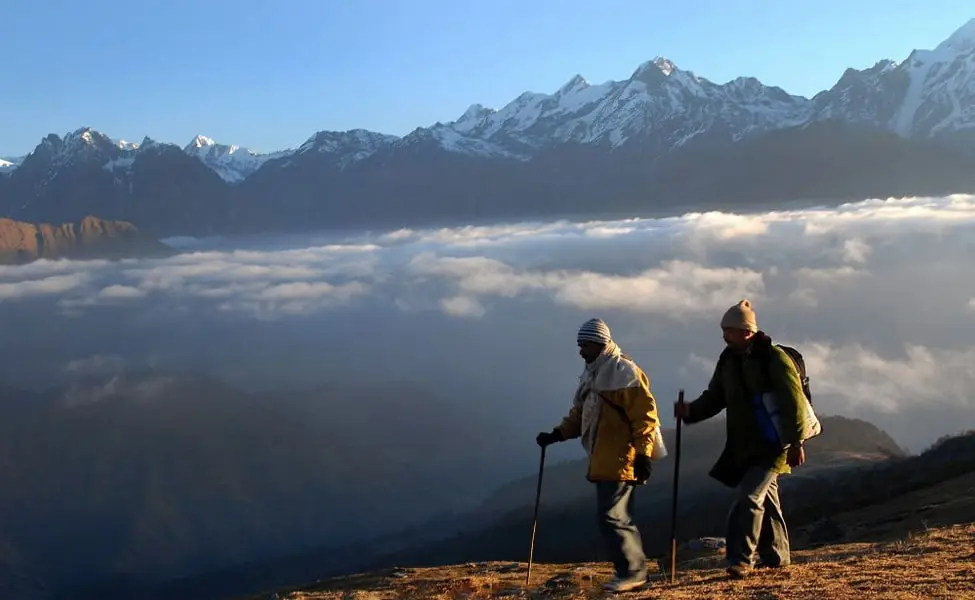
(682, 266)
(877, 294)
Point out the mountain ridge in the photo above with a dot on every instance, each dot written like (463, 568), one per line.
(89, 238)
(959, 45)
(541, 154)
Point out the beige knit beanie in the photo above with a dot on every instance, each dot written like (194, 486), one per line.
(740, 316)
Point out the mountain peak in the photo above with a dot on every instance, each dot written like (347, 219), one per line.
(655, 68)
(201, 141)
(85, 135)
(576, 82)
(84, 142)
(147, 143)
(474, 113)
(665, 65)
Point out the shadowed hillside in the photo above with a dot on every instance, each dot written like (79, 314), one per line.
(794, 162)
(165, 474)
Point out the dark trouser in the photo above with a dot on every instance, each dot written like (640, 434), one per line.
(614, 501)
(755, 521)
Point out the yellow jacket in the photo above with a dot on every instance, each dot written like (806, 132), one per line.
(615, 414)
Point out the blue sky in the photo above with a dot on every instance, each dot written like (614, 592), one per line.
(267, 75)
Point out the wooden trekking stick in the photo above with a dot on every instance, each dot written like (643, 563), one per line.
(673, 509)
(538, 495)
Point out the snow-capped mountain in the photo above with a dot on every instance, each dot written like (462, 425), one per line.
(232, 163)
(343, 147)
(663, 107)
(88, 147)
(929, 94)
(81, 145)
(663, 128)
(659, 103)
(87, 173)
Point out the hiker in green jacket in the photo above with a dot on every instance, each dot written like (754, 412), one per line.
(751, 461)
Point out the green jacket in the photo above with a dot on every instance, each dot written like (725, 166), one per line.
(736, 379)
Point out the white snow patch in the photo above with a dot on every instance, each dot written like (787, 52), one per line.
(454, 141)
(125, 145)
(944, 76)
(920, 64)
(8, 165)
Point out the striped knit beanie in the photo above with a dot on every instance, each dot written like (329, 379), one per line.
(594, 330)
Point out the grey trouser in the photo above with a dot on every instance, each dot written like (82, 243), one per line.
(614, 501)
(755, 521)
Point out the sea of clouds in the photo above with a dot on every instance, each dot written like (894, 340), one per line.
(878, 295)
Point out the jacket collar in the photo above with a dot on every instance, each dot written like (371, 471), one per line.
(760, 344)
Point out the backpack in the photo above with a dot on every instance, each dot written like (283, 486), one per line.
(767, 413)
(800, 364)
(797, 360)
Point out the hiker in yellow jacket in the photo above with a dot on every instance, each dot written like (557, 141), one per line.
(615, 415)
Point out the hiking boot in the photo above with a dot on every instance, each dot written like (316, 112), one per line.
(626, 584)
(739, 571)
(771, 565)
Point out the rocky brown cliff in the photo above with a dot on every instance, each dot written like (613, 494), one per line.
(89, 238)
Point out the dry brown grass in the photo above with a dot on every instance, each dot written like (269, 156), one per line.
(920, 545)
(935, 564)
